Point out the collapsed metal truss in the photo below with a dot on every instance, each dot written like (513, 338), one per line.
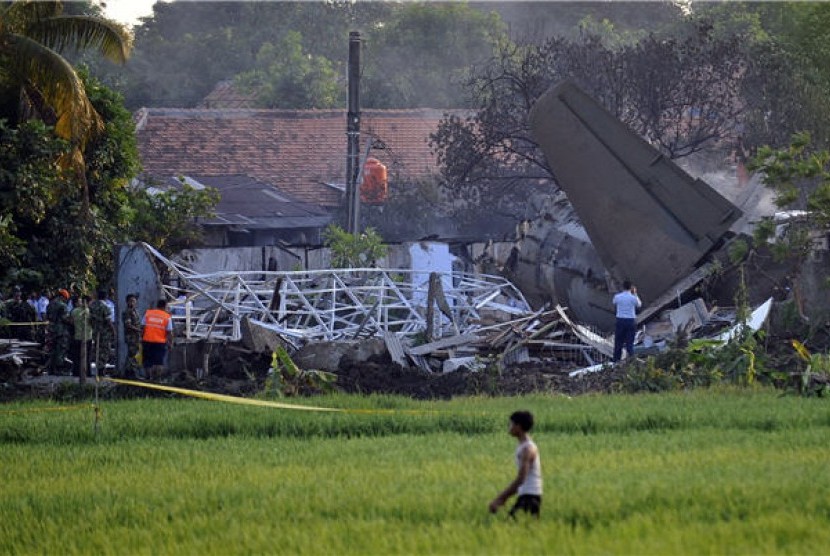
(336, 304)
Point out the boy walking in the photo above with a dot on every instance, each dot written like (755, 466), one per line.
(528, 481)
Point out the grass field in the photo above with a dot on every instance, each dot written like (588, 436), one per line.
(724, 471)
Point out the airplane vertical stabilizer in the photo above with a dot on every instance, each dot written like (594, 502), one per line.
(649, 221)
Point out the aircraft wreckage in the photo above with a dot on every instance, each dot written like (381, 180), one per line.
(450, 318)
(640, 217)
(629, 214)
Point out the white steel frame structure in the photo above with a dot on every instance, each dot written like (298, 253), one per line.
(335, 304)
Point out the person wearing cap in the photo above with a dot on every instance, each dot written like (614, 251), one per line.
(59, 337)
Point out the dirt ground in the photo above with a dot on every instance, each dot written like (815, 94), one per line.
(245, 375)
(524, 379)
(372, 377)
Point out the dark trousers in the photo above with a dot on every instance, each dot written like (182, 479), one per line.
(529, 503)
(75, 355)
(624, 337)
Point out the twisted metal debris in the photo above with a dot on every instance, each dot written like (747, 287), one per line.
(337, 304)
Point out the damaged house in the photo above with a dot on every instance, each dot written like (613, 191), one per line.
(254, 213)
(302, 153)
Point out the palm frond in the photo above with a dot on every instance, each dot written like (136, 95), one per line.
(81, 32)
(40, 67)
(19, 14)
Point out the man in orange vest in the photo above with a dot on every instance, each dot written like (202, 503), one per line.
(156, 337)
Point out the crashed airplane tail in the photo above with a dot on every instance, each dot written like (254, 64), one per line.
(649, 221)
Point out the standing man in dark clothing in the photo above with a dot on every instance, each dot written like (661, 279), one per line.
(81, 336)
(18, 310)
(132, 337)
(103, 331)
(627, 302)
(59, 337)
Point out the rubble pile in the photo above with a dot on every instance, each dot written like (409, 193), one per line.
(18, 359)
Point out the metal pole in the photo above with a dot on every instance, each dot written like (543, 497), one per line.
(353, 135)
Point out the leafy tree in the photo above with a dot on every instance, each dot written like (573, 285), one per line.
(679, 93)
(420, 56)
(410, 50)
(285, 76)
(800, 177)
(30, 183)
(787, 72)
(168, 66)
(536, 22)
(168, 220)
(354, 250)
(46, 237)
(45, 85)
(71, 243)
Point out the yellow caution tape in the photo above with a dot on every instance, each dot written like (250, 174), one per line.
(220, 397)
(260, 403)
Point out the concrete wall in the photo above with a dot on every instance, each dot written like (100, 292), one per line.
(478, 257)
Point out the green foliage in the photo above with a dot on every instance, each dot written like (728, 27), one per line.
(421, 56)
(706, 362)
(32, 37)
(168, 220)
(70, 222)
(361, 250)
(786, 77)
(285, 378)
(800, 177)
(738, 251)
(702, 363)
(764, 231)
(30, 183)
(817, 364)
(286, 76)
(676, 369)
(610, 35)
(293, 54)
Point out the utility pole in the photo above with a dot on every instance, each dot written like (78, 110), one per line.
(353, 135)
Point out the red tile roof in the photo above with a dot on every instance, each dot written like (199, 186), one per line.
(299, 151)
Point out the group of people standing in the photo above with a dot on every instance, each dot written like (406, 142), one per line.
(80, 328)
(77, 328)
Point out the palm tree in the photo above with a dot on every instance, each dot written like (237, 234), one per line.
(39, 81)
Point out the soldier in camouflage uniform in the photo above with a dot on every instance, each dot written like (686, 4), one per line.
(132, 337)
(59, 336)
(103, 331)
(18, 309)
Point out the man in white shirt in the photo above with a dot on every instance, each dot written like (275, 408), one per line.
(528, 481)
(627, 302)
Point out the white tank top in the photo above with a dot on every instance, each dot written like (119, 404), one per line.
(533, 481)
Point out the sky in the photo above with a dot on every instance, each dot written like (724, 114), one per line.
(128, 11)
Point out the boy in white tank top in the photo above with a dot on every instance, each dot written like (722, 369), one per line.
(528, 481)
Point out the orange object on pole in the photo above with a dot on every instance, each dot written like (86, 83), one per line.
(375, 187)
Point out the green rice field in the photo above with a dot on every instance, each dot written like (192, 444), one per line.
(706, 472)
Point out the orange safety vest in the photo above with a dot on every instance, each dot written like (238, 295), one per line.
(155, 329)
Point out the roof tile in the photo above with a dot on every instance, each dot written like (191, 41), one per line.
(297, 150)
